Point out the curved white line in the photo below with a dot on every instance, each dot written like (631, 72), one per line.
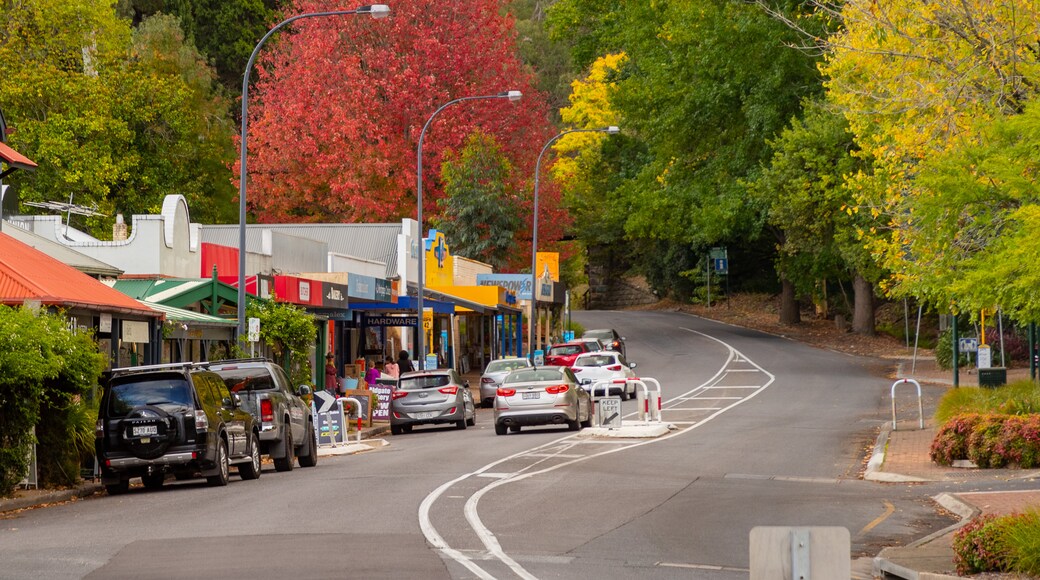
(487, 537)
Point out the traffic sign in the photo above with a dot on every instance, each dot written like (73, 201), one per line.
(721, 265)
(968, 344)
(608, 411)
(324, 401)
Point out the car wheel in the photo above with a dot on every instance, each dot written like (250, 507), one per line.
(251, 468)
(487, 403)
(223, 467)
(286, 463)
(500, 429)
(395, 429)
(514, 428)
(153, 480)
(148, 447)
(120, 487)
(624, 394)
(575, 425)
(472, 421)
(460, 424)
(310, 457)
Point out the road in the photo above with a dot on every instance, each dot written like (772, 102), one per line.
(769, 432)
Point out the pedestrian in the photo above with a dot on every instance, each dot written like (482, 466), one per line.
(404, 365)
(371, 375)
(331, 384)
(391, 368)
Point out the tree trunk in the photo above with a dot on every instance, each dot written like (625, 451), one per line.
(790, 312)
(863, 311)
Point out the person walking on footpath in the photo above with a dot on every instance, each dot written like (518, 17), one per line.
(391, 368)
(404, 365)
(330, 374)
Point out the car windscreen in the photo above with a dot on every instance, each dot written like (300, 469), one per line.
(594, 360)
(499, 366)
(563, 350)
(162, 392)
(601, 334)
(246, 379)
(534, 375)
(423, 382)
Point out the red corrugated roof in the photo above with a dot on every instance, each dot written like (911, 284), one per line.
(14, 158)
(28, 274)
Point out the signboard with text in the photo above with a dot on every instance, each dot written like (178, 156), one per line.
(519, 284)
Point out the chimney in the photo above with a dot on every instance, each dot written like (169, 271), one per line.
(119, 233)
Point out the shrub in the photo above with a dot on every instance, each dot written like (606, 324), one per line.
(984, 440)
(951, 441)
(944, 351)
(982, 545)
(1018, 398)
(1023, 542)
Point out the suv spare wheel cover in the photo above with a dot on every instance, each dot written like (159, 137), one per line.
(148, 431)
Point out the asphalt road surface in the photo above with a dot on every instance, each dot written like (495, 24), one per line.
(768, 432)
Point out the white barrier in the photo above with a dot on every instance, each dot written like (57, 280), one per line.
(920, 408)
(648, 399)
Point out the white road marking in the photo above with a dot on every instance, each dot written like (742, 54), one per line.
(543, 453)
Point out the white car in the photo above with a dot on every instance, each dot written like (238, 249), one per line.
(605, 365)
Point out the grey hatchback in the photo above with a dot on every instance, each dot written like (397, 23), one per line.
(432, 396)
(493, 375)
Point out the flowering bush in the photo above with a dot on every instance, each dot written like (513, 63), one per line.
(984, 440)
(951, 442)
(981, 545)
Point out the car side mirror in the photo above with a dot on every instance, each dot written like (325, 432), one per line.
(631, 365)
(232, 402)
(304, 390)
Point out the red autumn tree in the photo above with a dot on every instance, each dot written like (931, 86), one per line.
(339, 103)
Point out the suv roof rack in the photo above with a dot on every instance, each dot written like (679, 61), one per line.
(171, 366)
(239, 360)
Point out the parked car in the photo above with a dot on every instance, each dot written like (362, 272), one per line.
(563, 355)
(431, 396)
(609, 337)
(493, 375)
(594, 343)
(541, 396)
(286, 427)
(605, 365)
(177, 418)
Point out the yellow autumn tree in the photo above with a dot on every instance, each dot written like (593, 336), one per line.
(590, 109)
(917, 79)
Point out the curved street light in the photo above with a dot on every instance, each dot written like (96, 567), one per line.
(375, 11)
(513, 96)
(611, 130)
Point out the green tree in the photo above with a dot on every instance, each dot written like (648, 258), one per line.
(705, 86)
(813, 215)
(480, 212)
(48, 370)
(114, 119)
(291, 334)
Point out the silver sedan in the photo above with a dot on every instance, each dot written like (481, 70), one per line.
(437, 396)
(541, 396)
(493, 375)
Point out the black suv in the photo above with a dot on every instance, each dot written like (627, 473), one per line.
(175, 418)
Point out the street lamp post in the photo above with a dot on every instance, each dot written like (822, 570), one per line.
(513, 96)
(611, 130)
(375, 11)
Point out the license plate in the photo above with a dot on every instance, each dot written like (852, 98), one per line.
(426, 414)
(146, 430)
(533, 395)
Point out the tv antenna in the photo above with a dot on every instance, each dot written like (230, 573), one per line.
(69, 208)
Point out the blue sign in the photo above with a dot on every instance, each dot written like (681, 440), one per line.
(519, 284)
(721, 265)
(968, 344)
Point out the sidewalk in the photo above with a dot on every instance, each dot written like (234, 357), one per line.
(902, 455)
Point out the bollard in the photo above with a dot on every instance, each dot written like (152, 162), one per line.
(641, 401)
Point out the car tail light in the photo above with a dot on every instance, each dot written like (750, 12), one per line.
(617, 344)
(452, 390)
(576, 369)
(266, 411)
(398, 394)
(614, 368)
(556, 389)
(504, 392)
(487, 380)
(201, 421)
(99, 429)
(452, 411)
